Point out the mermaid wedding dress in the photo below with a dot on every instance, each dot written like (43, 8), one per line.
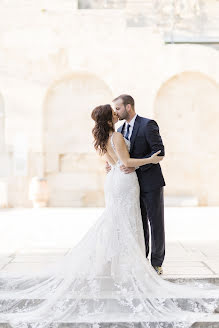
(106, 280)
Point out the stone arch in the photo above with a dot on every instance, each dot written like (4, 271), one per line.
(74, 171)
(189, 58)
(186, 108)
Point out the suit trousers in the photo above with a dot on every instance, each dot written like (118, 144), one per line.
(152, 210)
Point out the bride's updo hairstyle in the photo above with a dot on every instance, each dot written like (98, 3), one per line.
(103, 118)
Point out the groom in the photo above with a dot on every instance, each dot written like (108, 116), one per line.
(145, 140)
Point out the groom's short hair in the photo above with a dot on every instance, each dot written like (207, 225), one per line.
(126, 99)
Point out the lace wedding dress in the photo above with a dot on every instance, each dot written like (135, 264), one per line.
(106, 280)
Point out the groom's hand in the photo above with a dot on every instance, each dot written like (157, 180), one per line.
(127, 170)
(107, 167)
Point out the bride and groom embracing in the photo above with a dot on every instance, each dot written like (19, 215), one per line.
(105, 281)
(145, 140)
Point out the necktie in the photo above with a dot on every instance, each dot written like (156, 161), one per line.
(127, 132)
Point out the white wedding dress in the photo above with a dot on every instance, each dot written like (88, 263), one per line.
(106, 280)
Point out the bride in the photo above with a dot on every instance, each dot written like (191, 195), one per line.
(106, 280)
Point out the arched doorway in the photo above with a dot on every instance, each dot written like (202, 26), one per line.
(74, 171)
(186, 108)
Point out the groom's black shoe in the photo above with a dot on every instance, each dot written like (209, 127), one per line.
(158, 269)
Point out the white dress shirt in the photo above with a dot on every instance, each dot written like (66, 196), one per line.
(131, 123)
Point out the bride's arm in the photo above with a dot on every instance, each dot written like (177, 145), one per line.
(124, 156)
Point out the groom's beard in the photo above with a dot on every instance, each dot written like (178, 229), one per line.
(122, 118)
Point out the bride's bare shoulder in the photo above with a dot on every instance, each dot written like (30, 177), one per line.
(118, 138)
(117, 135)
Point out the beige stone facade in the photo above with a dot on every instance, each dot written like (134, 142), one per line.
(58, 62)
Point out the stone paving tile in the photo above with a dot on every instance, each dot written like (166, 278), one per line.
(213, 265)
(185, 252)
(3, 265)
(192, 270)
(188, 257)
(212, 255)
(4, 260)
(182, 263)
(177, 253)
(174, 244)
(208, 249)
(175, 247)
(192, 277)
(6, 254)
(201, 244)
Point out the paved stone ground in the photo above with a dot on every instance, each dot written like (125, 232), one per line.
(32, 238)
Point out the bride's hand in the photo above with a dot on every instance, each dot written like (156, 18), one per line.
(155, 159)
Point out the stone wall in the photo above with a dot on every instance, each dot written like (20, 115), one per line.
(58, 62)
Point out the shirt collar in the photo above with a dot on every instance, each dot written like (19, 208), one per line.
(132, 122)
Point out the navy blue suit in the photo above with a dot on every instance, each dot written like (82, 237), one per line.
(146, 140)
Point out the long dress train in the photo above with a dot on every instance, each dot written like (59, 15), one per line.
(106, 280)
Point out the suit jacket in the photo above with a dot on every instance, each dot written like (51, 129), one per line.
(146, 140)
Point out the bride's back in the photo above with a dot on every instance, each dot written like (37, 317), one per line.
(111, 154)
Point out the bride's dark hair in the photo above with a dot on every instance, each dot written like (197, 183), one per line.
(103, 117)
